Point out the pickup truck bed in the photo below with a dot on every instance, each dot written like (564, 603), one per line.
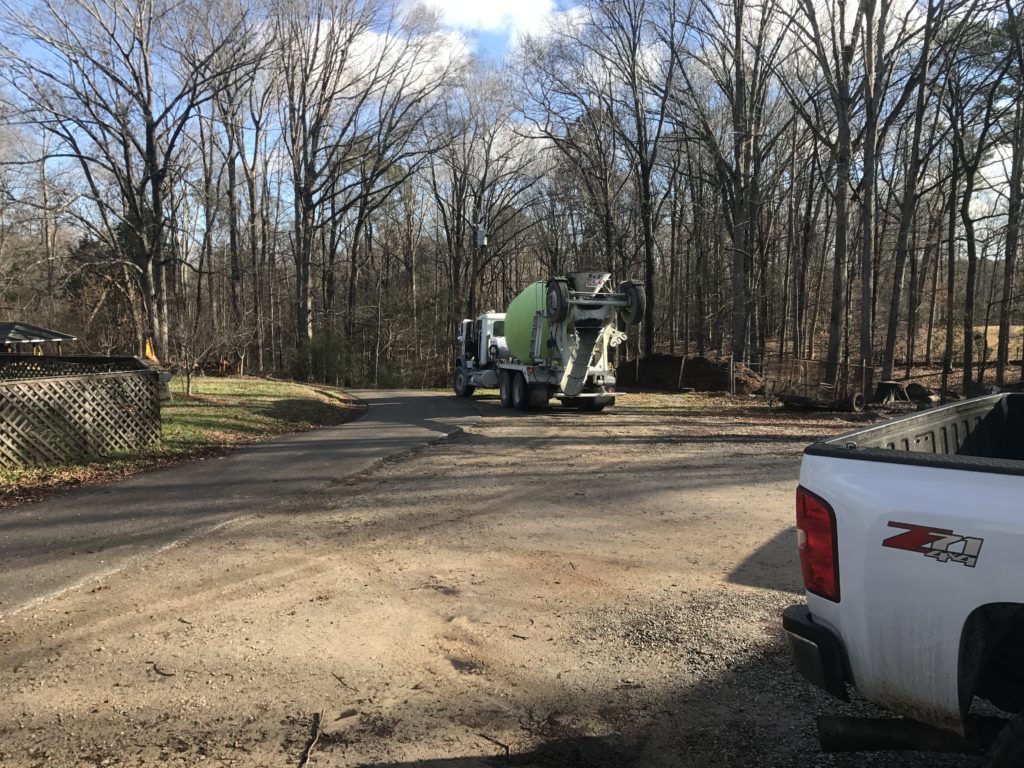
(981, 435)
(911, 547)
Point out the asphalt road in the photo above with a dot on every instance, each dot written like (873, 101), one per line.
(49, 547)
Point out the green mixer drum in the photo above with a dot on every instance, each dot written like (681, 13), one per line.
(519, 321)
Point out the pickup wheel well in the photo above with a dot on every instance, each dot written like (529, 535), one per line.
(992, 657)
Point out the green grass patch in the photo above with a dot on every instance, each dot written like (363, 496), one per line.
(224, 412)
(220, 414)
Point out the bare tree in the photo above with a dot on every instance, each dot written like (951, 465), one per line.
(356, 80)
(916, 168)
(568, 103)
(115, 83)
(620, 69)
(972, 76)
(831, 36)
(729, 56)
(1016, 178)
(479, 181)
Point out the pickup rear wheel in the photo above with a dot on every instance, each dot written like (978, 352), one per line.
(1008, 749)
(520, 393)
(505, 389)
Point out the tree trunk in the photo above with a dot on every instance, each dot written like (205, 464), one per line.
(235, 256)
(909, 207)
(971, 242)
(741, 223)
(303, 248)
(1012, 241)
(869, 191)
(947, 356)
(934, 293)
(837, 316)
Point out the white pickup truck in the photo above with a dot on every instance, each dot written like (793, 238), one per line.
(911, 542)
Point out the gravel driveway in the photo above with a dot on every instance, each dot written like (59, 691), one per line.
(552, 589)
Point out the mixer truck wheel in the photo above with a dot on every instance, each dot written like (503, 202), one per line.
(461, 385)
(540, 396)
(505, 389)
(634, 311)
(557, 301)
(520, 393)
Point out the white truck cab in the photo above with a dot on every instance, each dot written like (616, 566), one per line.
(482, 342)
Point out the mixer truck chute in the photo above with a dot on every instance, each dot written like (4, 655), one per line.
(553, 341)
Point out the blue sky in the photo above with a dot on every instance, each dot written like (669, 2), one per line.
(491, 26)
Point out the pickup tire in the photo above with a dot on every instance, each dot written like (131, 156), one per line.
(505, 389)
(520, 393)
(460, 383)
(1007, 750)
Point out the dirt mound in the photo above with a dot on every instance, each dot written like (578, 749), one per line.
(662, 373)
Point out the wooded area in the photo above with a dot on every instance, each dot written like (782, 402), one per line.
(303, 187)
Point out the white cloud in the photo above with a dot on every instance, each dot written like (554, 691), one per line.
(512, 17)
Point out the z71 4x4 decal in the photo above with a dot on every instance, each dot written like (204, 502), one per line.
(938, 543)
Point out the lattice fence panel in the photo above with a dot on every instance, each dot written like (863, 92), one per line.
(39, 367)
(60, 420)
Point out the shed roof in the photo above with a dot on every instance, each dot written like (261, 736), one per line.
(24, 333)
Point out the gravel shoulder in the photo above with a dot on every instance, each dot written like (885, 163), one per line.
(552, 589)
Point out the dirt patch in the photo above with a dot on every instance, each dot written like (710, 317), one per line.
(552, 589)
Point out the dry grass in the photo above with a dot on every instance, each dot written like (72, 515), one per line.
(1016, 340)
(700, 409)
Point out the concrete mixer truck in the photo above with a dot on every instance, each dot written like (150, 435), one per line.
(553, 341)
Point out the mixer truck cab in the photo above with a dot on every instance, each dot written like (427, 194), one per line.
(482, 343)
(555, 340)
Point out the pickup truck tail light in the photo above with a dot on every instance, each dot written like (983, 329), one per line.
(819, 547)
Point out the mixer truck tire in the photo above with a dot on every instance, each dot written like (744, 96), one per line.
(540, 396)
(635, 310)
(461, 385)
(520, 393)
(557, 301)
(505, 389)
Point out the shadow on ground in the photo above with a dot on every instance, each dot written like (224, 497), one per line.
(773, 565)
(319, 412)
(758, 713)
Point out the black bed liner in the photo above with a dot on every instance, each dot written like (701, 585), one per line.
(985, 434)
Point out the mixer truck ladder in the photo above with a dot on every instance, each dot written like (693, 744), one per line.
(536, 337)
